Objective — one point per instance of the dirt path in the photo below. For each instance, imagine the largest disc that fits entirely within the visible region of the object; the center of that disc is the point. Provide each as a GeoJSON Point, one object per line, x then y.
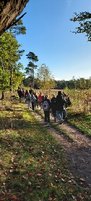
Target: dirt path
{"type": "Point", "coordinates": [77, 150]}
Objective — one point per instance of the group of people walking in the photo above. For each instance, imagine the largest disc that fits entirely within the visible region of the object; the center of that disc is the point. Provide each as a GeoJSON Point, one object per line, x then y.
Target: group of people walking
{"type": "Point", "coordinates": [55, 106]}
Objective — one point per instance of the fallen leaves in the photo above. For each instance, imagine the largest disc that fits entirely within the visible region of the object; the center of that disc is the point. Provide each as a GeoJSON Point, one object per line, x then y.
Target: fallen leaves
{"type": "Point", "coordinates": [31, 161]}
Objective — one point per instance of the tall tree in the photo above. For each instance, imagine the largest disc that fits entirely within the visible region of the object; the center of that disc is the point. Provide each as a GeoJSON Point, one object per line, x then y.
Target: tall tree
{"type": "Point", "coordinates": [9, 56]}
{"type": "Point", "coordinates": [45, 78]}
{"type": "Point", "coordinates": [18, 76]}
{"type": "Point", "coordinates": [9, 10]}
{"type": "Point", "coordinates": [30, 69]}
{"type": "Point", "coordinates": [84, 19]}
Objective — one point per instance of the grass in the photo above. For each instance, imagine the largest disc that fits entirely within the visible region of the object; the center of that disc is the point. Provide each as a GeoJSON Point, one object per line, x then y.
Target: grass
{"type": "Point", "coordinates": [33, 163]}
{"type": "Point", "coordinates": [79, 114]}
{"type": "Point", "coordinates": [82, 122]}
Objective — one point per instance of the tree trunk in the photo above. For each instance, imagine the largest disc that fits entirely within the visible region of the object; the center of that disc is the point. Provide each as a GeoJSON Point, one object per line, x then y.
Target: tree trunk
{"type": "Point", "coordinates": [9, 10]}
{"type": "Point", "coordinates": [2, 97]}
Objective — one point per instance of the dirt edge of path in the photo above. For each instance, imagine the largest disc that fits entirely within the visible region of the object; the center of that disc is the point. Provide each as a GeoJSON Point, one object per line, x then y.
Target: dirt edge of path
{"type": "Point", "coordinates": [78, 150]}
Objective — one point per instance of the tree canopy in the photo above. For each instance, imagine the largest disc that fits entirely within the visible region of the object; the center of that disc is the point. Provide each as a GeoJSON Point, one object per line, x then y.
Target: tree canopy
{"type": "Point", "coordinates": [84, 19]}
{"type": "Point", "coordinates": [31, 66]}
{"type": "Point", "coordinates": [18, 28]}
{"type": "Point", "coordinates": [45, 78]}
{"type": "Point", "coordinates": [9, 66]}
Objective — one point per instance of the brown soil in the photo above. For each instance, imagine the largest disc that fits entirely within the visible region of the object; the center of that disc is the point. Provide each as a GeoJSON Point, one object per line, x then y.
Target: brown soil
{"type": "Point", "coordinates": [77, 148]}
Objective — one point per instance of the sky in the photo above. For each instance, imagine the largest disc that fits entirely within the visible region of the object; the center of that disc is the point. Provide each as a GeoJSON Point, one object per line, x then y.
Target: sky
{"type": "Point", "coordinates": [49, 35]}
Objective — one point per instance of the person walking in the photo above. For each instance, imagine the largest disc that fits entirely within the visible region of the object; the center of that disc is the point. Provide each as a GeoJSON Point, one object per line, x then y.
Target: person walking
{"type": "Point", "coordinates": [46, 108]}
{"type": "Point", "coordinates": [59, 107]}
{"type": "Point", "coordinates": [40, 100]}
{"type": "Point", "coordinates": [32, 99]}
{"type": "Point", "coordinates": [53, 107]}
{"type": "Point", "coordinates": [20, 94]}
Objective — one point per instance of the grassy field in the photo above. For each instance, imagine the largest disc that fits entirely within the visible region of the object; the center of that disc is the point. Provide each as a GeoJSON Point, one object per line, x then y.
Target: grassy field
{"type": "Point", "coordinates": [79, 114]}
{"type": "Point", "coordinates": [33, 165]}
{"type": "Point", "coordinates": [82, 122]}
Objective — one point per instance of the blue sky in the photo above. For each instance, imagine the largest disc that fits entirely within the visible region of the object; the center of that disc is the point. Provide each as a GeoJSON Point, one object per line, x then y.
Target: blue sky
{"type": "Point", "coordinates": [49, 35]}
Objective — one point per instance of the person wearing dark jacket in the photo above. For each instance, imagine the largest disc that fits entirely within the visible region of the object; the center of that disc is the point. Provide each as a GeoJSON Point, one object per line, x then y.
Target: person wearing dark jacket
{"type": "Point", "coordinates": [53, 107]}
{"type": "Point", "coordinates": [59, 106]}
{"type": "Point", "coordinates": [20, 94]}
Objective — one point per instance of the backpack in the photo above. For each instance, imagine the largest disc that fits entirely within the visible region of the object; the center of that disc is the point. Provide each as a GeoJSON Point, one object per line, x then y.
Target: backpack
{"type": "Point", "coordinates": [45, 105]}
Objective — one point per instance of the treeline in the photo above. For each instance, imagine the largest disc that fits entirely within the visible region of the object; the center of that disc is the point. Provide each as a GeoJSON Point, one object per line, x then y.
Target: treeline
{"type": "Point", "coordinates": [80, 83]}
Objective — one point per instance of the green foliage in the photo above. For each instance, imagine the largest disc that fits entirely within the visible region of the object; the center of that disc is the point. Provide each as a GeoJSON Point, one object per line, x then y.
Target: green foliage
{"type": "Point", "coordinates": [4, 81]}
{"type": "Point", "coordinates": [27, 81]}
{"type": "Point", "coordinates": [9, 56]}
{"type": "Point", "coordinates": [30, 69]}
{"type": "Point", "coordinates": [32, 56]}
{"type": "Point", "coordinates": [84, 19]}
{"type": "Point", "coordinates": [45, 78]}
{"type": "Point", "coordinates": [18, 28]}
{"type": "Point", "coordinates": [80, 83]}
{"type": "Point", "coordinates": [17, 79]}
